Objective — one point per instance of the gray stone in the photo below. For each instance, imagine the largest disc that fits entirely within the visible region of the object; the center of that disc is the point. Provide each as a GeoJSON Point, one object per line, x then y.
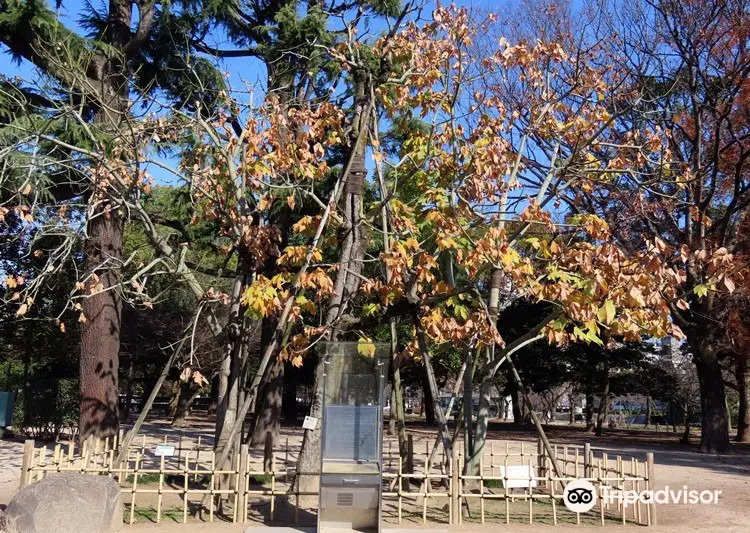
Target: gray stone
{"type": "Point", "coordinates": [65, 502]}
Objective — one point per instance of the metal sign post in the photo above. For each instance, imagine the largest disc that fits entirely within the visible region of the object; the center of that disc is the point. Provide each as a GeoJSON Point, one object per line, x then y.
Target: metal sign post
{"type": "Point", "coordinates": [352, 437]}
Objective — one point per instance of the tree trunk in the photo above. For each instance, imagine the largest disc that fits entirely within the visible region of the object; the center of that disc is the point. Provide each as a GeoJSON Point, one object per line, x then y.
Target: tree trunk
{"type": "Point", "coordinates": [100, 331]}
{"type": "Point", "coordinates": [213, 398]}
{"type": "Point", "coordinates": [648, 412]}
{"type": "Point", "coordinates": [188, 393]}
{"type": "Point", "coordinates": [468, 413]}
{"type": "Point", "coordinates": [268, 418]}
{"type": "Point", "coordinates": [686, 431]}
{"type": "Point", "coordinates": [572, 406]}
{"type": "Point", "coordinates": [516, 400]}
{"type": "Point", "coordinates": [590, 412]}
{"type": "Point", "coordinates": [432, 387]}
{"type": "Point", "coordinates": [128, 390]}
{"type": "Point", "coordinates": [742, 373]}
{"type": "Point", "coordinates": [428, 402]}
{"type": "Point", "coordinates": [714, 421]}
{"type": "Point", "coordinates": [236, 334]}
{"type": "Point", "coordinates": [601, 415]}
{"type": "Point", "coordinates": [347, 282]}
{"type": "Point", "coordinates": [175, 391]}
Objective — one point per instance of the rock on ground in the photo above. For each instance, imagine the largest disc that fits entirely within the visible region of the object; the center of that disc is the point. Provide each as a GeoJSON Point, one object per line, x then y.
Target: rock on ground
{"type": "Point", "coordinates": [65, 502]}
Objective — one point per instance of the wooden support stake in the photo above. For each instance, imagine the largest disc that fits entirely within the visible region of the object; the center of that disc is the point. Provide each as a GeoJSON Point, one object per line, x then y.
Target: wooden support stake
{"type": "Point", "coordinates": [185, 488]}
{"type": "Point", "coordinates": [135, 488]}
{"type": "Point", "coordinates": [26, 462]}
{"type": "Point", "coordinates": [161, 482]}
{"type": "Point", "coordinates": [197, 459]}
{"type": "Point", "coordinates": [273, 486]}
{"type": "Point", "coordinates": [481, 489]}
{"type": "Point", "coordinates": [398, 485]}
{"type": "Point", "coordinates": [587, 460]}
{"type": "Point", "coordinates": [650, 486]}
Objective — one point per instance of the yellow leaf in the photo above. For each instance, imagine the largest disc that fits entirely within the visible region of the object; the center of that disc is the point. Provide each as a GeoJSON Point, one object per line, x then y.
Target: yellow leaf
{"type": "Point", "coordinates": [22, 310]}
{"type": "Point", "coordinates": [606, 313]}
{"type": "Point", "coordinates": [366, 347]}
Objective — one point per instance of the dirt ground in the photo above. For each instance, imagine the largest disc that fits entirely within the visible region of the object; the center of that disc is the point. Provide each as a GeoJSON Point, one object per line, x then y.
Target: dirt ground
{"type": "Point", "coordinates": [676, 466]}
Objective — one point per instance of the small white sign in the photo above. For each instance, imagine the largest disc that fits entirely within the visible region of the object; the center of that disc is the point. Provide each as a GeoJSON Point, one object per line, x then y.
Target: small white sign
{"type": "Point", "coordinates": [163, 450]}
{"type": "Point", "coordinates": [519, 476]}
{"type": "Point", "coordinates": [310, 423]}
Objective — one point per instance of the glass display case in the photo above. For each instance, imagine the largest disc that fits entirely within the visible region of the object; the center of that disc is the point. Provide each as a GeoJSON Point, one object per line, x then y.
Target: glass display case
{"type": "Point", "coordinates": [352, 436]}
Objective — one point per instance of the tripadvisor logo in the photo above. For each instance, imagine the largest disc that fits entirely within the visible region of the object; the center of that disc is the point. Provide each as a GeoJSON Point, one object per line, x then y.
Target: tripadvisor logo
{"type": "Point", "coordinates": [579, 496]}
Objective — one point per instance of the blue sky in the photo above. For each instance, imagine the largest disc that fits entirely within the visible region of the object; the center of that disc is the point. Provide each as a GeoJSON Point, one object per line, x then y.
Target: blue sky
{"type": "Point", "coordinates": [239, 71]}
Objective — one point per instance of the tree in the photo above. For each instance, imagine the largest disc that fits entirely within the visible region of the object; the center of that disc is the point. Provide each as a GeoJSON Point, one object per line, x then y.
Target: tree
{"type": "Point", "coordinates": [689, 63]}
{"type": "Point", "coordinates": [84, 110]}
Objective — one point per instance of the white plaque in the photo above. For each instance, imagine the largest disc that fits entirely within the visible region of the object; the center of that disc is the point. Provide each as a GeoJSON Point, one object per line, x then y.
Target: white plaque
{"type": "Point", "coordinates": [310, 422]}
{"type": "Point", "coordinates": [163, 450]}
{"type": "Point", "coordinates": [519, 476]}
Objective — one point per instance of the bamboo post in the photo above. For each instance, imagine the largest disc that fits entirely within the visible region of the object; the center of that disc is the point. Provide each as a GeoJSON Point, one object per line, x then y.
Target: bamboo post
{"type": "Point", "coordinates": [398, 486]}
{"type": "Point", "coordinates": [28, 456]}
{"type": "Point", "coordinates": [481, 489]}
{"type": "Point", "coordinates": [621, 485]}
{"type": "Point", "coordinates": [587, 460]}
{"type": "Point", "coordinates": [651, 508]}
{"type": "Point", "coordinates": [459, 489]}
{"type": "Point", "coordinates": [41, 463]}
{"type": "Point", "coordinates": [135, 488]}
{"type": "Point", "coordinates": [505, 485]}
{"type": "Point", "coordinates": [531, 492]}
{"type": "Point", "coordinates": [245, 451]}
{"type": "Point", "coordinates": [286, 460]}
{"type": "Point", "coordinates": [492, 459]}
{"type": "Point", "coordinates": [554, 503]}
{"type": "Point", "coordinates": [211, 488]}
{"type": "Point", "coordinates": [185, 489]}
{"type": "Point", "coordinates": [273, 486]}
{"type": "Point", "coordinates": [540, 456]}
{"type": "Point", "coordinates": [237, 476]}
{"type": "Point", "coordinates": [57, 460]}
{"type": "Point", "coordinates": [605, 462]}
{"type": "Point", "coordinates": [426, 488]}
{"type": "Point", "coordinates": [159, 494]}
{"type": "Point", "coordinates": [197, 459]}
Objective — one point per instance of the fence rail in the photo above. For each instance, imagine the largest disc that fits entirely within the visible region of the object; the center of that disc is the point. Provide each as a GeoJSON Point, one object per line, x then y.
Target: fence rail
{"type": "Point", "coordinates": [189, 482]}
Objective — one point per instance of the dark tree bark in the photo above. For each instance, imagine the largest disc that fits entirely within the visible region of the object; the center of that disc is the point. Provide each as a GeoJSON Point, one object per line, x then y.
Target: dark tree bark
{"type": "Point", "coordinates": [601, 416]}
{"type": "Point", "coordinates": [100, 333]}
{"type": "Point", "coordinates": [590, 425]}
{"type": "Point", "coordinates": [128, 389]}
{"type": "Point", "coordinates": [188, 393]}
{"type": "Point", "coordinates": [714, 420]}
{"type": "Point", "coordinates": [268, 418]}
{"type": "Point", "coordinates": [213, 397]}
{"type": "Point", "coordinates": [742, 372]}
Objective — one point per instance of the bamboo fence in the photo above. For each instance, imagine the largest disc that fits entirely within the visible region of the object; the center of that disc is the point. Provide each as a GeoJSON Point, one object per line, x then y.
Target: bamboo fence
{"type": "Point", "coordinates": [243, 489]}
